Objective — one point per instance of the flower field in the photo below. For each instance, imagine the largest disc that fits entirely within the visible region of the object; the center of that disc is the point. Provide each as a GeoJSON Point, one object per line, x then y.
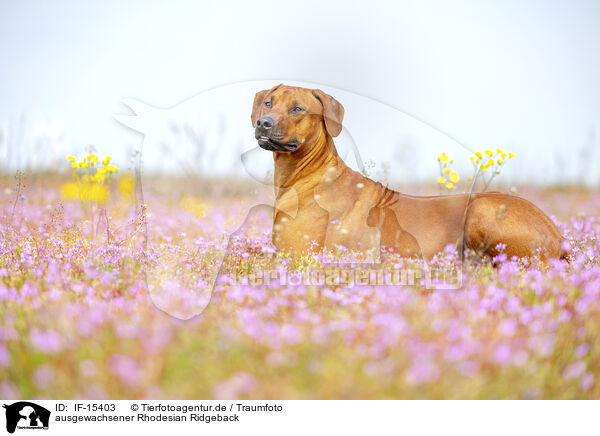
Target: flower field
{"type": "Point", "coordinates": [114, 300]}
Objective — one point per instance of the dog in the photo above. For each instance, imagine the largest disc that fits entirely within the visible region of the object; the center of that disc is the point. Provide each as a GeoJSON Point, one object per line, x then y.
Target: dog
{"type": "Point", "coordinates": [322, 203]}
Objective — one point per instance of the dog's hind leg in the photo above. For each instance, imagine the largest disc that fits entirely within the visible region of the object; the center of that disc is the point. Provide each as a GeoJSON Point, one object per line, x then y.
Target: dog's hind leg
{"type": "Point", "coordinates": [511, 221]}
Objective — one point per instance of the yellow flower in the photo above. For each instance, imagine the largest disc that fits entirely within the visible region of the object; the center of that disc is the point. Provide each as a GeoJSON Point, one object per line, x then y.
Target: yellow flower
{"type": "Point", "coordinates": [478, 154]}
{"type": "Point", "coordinates": [92, 185]}
{"type": "Point", "coordinates": [490, 162]}
{"type": "Point", "coordinates": [489, 152]}
{"type": "Point", "coordinates": [503, 155]}
{"type": "Point", "coordinates": [449, 185]}
{"type": "Point", "coordinates": [472, 158]}
{"type": "Point", "coordinates": [443, 157]}
{"type": "Point", "coordinates": [193, 205]}
{"type": "Point", "coordinates": [70, 191]}
{"type": "Point", "coordinates": [482, 167]}
{"type": "Point", "coordinates": [126, 185]}
{"type": "Point", "coordinates": [500, 162]}
{"type": "Point", "coordinates": [499, 151]}
{"type": "Point", "coordinates": [95, 192]}
{"type": "Point", "coordinates": [441, 180]}
{"type": "Point", "coordinates": [84, 192]}
{"type": "Point", "coordinates": [446, 170]}
{"type": "Point", "coordinates": [454, 177]}
{"type": "Point", "coordinates": [469, 178]}
{"type": "Point", "coordinates": [511, 155]}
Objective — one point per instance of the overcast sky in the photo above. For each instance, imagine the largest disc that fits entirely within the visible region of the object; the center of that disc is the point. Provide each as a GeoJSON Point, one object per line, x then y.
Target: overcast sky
{"type": "Point", "coordinates": [524, 75]}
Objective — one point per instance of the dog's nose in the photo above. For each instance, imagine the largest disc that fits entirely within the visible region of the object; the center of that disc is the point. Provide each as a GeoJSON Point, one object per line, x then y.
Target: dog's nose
{"type": "Point", "coordinates": [264, 123]}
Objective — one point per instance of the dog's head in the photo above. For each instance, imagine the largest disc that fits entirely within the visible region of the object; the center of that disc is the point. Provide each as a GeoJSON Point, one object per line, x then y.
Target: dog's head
{"type": "Point", "coordinates": [287, 118]}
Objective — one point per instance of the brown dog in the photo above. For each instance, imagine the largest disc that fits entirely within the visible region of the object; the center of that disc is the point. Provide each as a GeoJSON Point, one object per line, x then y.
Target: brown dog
{"type": "Point", "coordinates": [321, 202]}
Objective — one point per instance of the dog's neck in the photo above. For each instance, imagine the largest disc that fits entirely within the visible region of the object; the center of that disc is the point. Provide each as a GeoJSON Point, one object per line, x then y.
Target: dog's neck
{"type": "Point", "coordinates": [305, 168]}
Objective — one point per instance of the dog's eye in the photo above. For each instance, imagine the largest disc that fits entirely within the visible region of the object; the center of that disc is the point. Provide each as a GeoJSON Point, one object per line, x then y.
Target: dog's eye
{"type": "Point", "coordinates": [267, 104]}
{"type": "Point", "coordinates": [297, 109]}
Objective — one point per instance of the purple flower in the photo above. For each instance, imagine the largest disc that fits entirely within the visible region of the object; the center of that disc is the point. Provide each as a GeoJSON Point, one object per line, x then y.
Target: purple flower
{"type": "Point", "coordinates": [422, 371]}
{"type": "Point", "coordinates": [126, 369]}
{"type": "Point", "coordinates": [587, 381]}
{"type": "Point", "coordinates": [239, 384]}
{"type": "Point", "coordinates": [502, 354]}
{"type": "Point", "coordinates": [575, 370]}
{"type": "Point", "coordinates": [508, 327]}
{"type": "Point", "coordinates": [290, 334]}
{"type": "Point", "coordinates": [4, 356]}
{"type": "Point", "coordinates": [469, 368]}
{"type": "Point", "coordinates": [45, 341]}
{"type": "Point", "coordinates": [43, 376]}
{"type": "Point", "coordinates": [9, 391]}
{"type": "Point", "coordinates": [582, 350]}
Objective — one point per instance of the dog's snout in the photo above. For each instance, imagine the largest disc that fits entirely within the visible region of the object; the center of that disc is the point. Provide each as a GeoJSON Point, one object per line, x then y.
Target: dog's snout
{"type": "Point", "coordinates": [264, 123]}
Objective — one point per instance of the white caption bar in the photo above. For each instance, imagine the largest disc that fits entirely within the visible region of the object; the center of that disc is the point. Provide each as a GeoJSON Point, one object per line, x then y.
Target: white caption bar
{"type": "Point", "coordinates": [299, 417]}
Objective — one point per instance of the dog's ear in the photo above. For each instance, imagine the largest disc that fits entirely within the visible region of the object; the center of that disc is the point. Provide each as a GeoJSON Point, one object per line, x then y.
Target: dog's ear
{"type": "Point", "coordinates": [333, 112]}
{"type": "Point", "coordinates": [258, 101]}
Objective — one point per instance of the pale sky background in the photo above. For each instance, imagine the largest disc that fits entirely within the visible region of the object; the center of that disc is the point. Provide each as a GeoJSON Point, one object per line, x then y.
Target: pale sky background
{"type": "Point", "coordinates": [522, 75]}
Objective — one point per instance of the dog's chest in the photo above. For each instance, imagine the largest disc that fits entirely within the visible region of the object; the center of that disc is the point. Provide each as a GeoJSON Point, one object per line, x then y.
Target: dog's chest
{"type": "Point", "coordinates": [298, 232]}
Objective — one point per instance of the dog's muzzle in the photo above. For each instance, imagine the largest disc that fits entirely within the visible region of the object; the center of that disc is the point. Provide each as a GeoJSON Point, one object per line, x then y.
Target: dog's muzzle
{"type": "Point", "coordinates": [263, 133]}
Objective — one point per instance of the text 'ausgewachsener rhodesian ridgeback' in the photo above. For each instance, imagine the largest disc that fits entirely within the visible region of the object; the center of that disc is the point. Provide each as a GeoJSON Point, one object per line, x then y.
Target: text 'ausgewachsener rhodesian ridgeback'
{"type": "Point", "coordinates": [336, 206]}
